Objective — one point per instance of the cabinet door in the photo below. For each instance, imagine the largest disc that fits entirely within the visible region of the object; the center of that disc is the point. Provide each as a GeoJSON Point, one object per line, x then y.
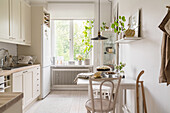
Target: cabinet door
{"type": "Point", "coordinates": [15, 6]}
{"type": "Point", "coordinates": [4, 19]}
{"type": "Point", "coordinates": [17, 82]}
{"type": "Point", "coordinates": [25, 23]}
{"type": "Point", "coordinates": [28, 86]}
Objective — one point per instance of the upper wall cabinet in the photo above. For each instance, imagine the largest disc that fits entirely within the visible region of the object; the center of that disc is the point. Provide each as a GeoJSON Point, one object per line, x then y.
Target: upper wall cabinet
{"type": "Point", "coordinates": [15, 22]}
{"type": "Point", "coordinates": [4, 19]}
{"type": "Point", "coordinates": [15, 19]}
{"type": "Point", "coordinates": [25, 23]}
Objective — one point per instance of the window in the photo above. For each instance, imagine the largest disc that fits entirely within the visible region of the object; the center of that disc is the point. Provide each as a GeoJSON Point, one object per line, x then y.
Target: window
{"type": "Point", "coordinates": [68, 36]}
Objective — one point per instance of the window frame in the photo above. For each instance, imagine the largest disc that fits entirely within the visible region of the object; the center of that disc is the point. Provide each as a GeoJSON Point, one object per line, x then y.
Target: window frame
{"type": "Point", "coordinates": [71, 37]}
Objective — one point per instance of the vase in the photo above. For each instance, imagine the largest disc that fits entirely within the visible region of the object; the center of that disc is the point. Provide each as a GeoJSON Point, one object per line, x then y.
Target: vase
{"type": "Point", "coordinates": [79, 62]}
{"type": "Point", "coordinates": [87, 61]}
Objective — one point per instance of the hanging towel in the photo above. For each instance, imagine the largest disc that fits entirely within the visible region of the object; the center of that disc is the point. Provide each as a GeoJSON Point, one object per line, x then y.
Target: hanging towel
{"type": "Point", "coordinates": [165, 51]}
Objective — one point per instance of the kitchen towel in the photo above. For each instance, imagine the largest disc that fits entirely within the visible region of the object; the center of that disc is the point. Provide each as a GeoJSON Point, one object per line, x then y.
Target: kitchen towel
{"type": "Point", "coordinates": [165, 50]}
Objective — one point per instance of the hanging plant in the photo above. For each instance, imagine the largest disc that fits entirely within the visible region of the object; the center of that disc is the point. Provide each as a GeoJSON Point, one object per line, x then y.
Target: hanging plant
{"type": "Point", "coordinates": [88, 26]}
{"type": "Point", "coordinates": [119, 25]}
{"type": "Point", "coordinates": [104, 27]}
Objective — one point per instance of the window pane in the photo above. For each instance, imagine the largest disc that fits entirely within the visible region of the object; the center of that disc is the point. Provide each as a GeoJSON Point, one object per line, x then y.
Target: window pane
{"type": "Point", "coordinates": [62, 38]}
{"type": "Point", "coordinates": [78, 36]}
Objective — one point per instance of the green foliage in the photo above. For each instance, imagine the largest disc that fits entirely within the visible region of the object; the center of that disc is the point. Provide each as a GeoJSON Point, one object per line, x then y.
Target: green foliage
{"type": "Point", "coordinates": [88, 25]}
{"type": "Point", "coordinates": [62, 30]}
{"type": "Point", "coordinates": [103, 27]}
{"type": "Point", "coordinates": [119, 25]}
{"type": "Point", "coordinates": [120, 67]}
{"type": "Point", "coordinates": [78, 37]}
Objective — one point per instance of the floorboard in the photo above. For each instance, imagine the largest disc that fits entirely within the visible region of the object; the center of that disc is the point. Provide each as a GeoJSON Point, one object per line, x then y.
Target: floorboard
{"type": "Point", "coordinates": [61, 102]}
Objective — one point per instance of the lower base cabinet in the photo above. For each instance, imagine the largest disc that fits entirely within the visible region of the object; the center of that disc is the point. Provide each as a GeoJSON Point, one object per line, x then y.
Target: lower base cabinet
{"type": "Point", "coordinates": [28, 82]}
{"type": "Point", "coordinates": [28, 86]}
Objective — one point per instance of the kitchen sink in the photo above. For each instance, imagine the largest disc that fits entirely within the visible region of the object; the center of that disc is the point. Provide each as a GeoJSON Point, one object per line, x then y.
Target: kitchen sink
{"type": "Point", "coordinates": [15, 66]}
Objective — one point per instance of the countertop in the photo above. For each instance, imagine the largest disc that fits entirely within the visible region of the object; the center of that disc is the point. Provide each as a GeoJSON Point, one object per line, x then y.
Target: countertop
{"type": "Point", "coordinates": [8, 72]}
{"type": "Point", "coordinates": [8, 99]}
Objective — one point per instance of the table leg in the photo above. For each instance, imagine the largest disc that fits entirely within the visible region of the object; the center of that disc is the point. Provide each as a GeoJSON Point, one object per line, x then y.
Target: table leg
{"type": "Point", "coordinates": [89, 91]}
{"type": "Point", "coordinates": [120, 101]}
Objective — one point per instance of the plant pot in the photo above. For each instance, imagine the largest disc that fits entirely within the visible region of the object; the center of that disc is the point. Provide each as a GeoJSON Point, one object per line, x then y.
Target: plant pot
{"type": "Point", "coordinates": [87, 61]}
{"type": "Point", "coordinates": [79, 62]}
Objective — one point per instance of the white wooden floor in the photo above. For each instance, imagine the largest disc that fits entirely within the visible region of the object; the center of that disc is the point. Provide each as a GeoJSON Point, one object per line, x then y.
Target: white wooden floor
{"type": "Point", "coordinates": [61, 102]}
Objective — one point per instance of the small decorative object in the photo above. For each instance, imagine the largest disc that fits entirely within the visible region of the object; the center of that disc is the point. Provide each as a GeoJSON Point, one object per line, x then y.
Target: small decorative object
{"type": "Point", "coordinates": [80, 58]}
{"type": "Point", "coordinates": [119, 69]}
{"type": "Point", "coordinates": [87, 61]}
{"type": "Point", "coordinates": [129, 32]}
{"type": "Point", "coordinates": [71, 62]}
{"type": "Point", "coordinates": [134, 23]}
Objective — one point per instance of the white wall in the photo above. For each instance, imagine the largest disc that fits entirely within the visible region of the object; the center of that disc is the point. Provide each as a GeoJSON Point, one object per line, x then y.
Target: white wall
{"type": "Point", "coordinates": [146, 54]}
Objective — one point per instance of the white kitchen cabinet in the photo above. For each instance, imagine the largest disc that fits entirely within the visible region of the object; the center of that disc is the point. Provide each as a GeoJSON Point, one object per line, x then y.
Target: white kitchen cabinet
{"type": "Point", "coordinates": [25, 23]}
{"type": "Point", "coordinates": [28, 82]}
{"type": "Point", "coordinates": [15, 22]}
{"type": "Point", "coordinates": [17, 81]}
{"type": "Point", "coordinates": [28, 86]}
{"type": "Point", "coordinates": [4, 19]}
{"type": "Point", "coordinates": [15, 13]}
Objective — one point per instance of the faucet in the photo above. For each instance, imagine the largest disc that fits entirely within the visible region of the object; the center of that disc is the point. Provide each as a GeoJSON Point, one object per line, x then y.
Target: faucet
{"type": "Point", "coordinates": [4, 60]}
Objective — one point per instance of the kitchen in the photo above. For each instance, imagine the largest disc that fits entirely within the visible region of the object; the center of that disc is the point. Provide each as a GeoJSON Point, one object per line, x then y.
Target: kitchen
{"type": "Point", "coordinates": [45, 71]}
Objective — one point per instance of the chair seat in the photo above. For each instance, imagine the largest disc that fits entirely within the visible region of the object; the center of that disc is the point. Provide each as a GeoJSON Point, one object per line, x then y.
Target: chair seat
{"type": "Point", "coordinates": [97, 105]}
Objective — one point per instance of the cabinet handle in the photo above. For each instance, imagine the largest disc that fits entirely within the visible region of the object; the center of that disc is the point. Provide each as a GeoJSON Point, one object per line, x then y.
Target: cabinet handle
{"type": "Point", "coordinates": [37, 73]}
{"type": "Point", "coordinates": [37, 90]}
{"type": "Point", "coordinates": [25, 71]}
{"type": "Point", "coordinates": [23, 40]}
{"type": "Point", "coordinates": [37, 84]}
{"type": "Point", "coordinates": [37, 79]}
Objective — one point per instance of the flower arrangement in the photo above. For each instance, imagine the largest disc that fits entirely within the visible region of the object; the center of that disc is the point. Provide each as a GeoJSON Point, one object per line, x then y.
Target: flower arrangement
{"type": "Point", "coordinates": [79, 57]}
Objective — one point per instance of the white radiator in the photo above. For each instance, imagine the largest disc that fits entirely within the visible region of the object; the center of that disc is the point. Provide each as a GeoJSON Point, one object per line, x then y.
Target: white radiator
{"type": "Point", "coordinates": [66, 76]}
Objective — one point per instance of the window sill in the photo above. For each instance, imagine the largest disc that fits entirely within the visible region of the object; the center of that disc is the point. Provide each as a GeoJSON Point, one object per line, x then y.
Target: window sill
{"type": "Point", "coordinates": [71, 65]}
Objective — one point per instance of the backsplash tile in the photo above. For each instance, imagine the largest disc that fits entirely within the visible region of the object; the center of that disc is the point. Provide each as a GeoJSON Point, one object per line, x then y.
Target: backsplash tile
{"type": "Point", "coordinates": [12, 48]}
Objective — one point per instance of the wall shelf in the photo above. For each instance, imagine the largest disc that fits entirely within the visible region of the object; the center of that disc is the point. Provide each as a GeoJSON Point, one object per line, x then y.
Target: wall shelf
{"type": "Point", "coordinates": [126, 40]}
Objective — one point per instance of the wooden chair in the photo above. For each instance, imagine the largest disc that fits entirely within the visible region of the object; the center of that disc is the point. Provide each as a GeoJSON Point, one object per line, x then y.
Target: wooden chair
{"type": "Point", "coordinates": [103, 105]}
{"type": "Point", "coordinates": [143, 93]}
{"type": "Point", "coordinates": [105, 91]}
{"type": "Point", "coordinates": [138, 82]}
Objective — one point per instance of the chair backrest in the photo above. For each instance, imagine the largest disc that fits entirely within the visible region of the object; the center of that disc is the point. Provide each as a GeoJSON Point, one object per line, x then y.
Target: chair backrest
{"type": "Point", "coordinates": [113, 83]}
{"type": "Point", "coordinates": [143, 93]}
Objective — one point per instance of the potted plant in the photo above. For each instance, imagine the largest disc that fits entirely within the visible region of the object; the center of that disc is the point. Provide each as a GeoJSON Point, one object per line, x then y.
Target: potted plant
{"type": "Point", "coordinates": [88, 25]}
{"type": "Point", "coordinates": [119, 25]}
{"type": "Point", "coordinates": [79, 58]}
{"type": "Point", "coordinates": [119, 69]}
